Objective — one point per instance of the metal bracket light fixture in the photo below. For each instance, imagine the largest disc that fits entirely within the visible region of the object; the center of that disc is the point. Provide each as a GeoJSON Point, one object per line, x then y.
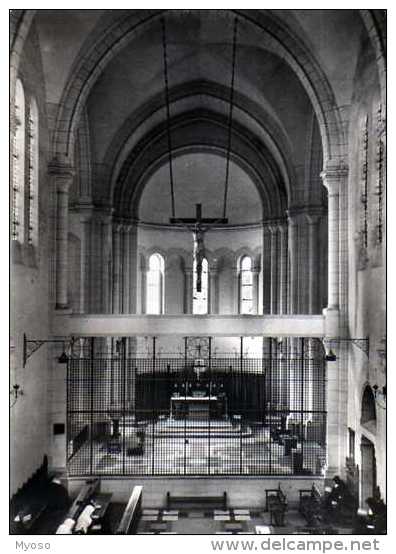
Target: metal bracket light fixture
{"type": "Point", "coordinates": [380, 395]}
{"type": "Point", "coordinates": [15, 393]}
{"type": "Point", "coordinates": [30, 346]}
{"type": "Point", "coordinates": [362, 343]}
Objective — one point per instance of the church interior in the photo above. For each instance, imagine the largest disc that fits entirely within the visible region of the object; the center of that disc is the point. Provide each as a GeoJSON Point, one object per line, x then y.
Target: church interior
{"type": "Point", "coordinates": [198, 250]}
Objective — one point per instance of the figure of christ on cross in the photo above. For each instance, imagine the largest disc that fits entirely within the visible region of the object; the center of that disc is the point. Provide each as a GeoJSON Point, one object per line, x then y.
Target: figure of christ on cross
{"type": "Point", "coordinates": [198, 226]}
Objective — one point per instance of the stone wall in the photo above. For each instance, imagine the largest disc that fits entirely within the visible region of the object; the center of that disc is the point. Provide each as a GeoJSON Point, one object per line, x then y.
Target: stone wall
{"type": "Point", "coordinates": [367, 292]}
{"type": "Point", "coordinates": [29, 280]}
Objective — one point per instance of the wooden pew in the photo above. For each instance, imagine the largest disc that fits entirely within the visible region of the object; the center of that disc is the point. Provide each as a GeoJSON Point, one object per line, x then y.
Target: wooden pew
{"type": "Point", "coordinates": [276, 504]}
{"type": "Point", "coordinates": [101, 501]}
{"type": "Point", "coordinates": [340, 505]}
{"type": "Point", "coordinates": [129, 520]}
{"type": "Point", "coordinates": [30, 502]}
{"type": "Point", "coordinates": [310, 505]}
{"type": "Point", "coordinates": [86, 493]}
{"type": "Point", "coordinates": [28, 516]}
{"type": "Point", "coordinates": [196, 501]}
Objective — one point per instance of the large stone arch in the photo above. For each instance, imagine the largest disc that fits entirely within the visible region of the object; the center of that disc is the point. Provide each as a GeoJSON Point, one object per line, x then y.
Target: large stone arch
{"type": "Point", "coordinates": [145, 159]}
{"type": "Point", "coordinates": [375, 24]}
{"type": "Point", "coordinates": [275, 140]}
{"type": "Point", "coordinates": [277, 38]}
{"type": "Point", "coordinates": [20, 23]}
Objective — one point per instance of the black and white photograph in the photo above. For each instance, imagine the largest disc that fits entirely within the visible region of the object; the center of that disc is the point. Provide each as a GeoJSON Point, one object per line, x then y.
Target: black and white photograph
{"type": "Point", "coordinates": [198, 293]}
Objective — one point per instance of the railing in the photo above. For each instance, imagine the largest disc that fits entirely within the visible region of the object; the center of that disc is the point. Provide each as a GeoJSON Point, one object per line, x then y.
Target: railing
{"type": "Point", "coordinates": [145, 416]}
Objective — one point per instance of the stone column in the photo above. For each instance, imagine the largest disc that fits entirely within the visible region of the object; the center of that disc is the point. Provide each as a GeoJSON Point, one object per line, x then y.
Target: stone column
{"type": "Point", "coordinates": [235, 303]}
{"type": "Point", "coordinates": [331, 180]}
{"type": "Point", "coordinates": [274, 267]}
{"type": "Point", "coordinates": [133, 264]}
{"type": "Point", "coordinates": [255, 288]}
{"type": "Point", "coordinates": [85, 219]}
{"type": "Point", "coordinates": [188, 290]}
{"type": "Point", "coordinates": [214, 289]}
{"type": "Point", "coordinates": [116, 268]}
{"type": "Point", "coordinates": [63, 176]}
{"type": "Point", "coordinates": [126, 268]}
{"type": "Point", "coordinates": [143, 285]}
{"type": "Point", "coordinates": [293, 264]}
{"type": "Point", "coordinates": [266, 269]}
{"type": "Point", "coordinates": [283, 268]}
{"type": "Point", "coordinates": [105, 263]}
{"type": "Point", "coordinates": [313, 266]}
{"type": "Point", "coordinates": [334, 179]}
{"type": "Point", "coordinates": [95, 257]}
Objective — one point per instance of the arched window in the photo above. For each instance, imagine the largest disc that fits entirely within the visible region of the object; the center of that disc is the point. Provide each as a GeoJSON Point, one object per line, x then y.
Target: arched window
{"type": "Point", "coordinates": [246, 286]}
{"type": "Point", "coordinates": [368, 415]}
{"type": "Point", "coordinates": [33, 173]}
{"type": "Point", "coordinates": [155, 285]}
{"type": "Point", "coordinates": [18, 184]}
{"type": "Point", "coordinates": [200, 299]}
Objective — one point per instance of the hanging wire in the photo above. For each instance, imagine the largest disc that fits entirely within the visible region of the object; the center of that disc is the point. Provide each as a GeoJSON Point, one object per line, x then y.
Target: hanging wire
{"type": "Point", "coordinates": [234, 45]}
{"type": "Point", "coordinates": [168, 114]}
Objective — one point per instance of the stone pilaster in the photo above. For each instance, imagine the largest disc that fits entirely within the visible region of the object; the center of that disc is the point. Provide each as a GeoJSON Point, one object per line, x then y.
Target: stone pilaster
{"type": "Point", "coordinates": [126, 268]}
{"type": "Point", "coordinates": [335, 180]}
{"type": "Point", "coordinates": [266, 269]}
{"type": "Point", "coordinates": [293, 264]}
{"type": "Point", "coordinates": [313, 257]}
{"type": "Point", "coordinates": [236, 290]}
{"type": "Point", "coordinates": [133, 278]}
{"type": "Point", "coordinates": [332, 179]}
{"type": "Point", "coordinates": [143, 286]}
{"type": "Point", "coordinates": [255, 289]}
{"type": "Point", "coordinates": [62, 175]}
{"type": "Point", "coordinates": [188, 290]}
{"type": "Point", "coordinates": [116, 268]}
{"type": "Point", "coordinates": [274, 267]}
{"type": "Point", "coordinates": [106, 263]}
{"type": "Point", "coordinates": [213, 289]}
{"type": "Point", "coordinates": [283, 268]}
{"type": "Point", "coordinates": [85, 218]}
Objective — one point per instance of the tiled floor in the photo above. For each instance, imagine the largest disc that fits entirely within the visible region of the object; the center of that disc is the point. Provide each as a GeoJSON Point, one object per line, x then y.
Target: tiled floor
{"type": "Point", "coordinates": [208, 522]}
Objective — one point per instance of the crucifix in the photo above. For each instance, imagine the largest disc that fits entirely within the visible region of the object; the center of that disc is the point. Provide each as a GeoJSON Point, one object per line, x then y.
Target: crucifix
{"type": "Point", "coordinates": [198, 225]}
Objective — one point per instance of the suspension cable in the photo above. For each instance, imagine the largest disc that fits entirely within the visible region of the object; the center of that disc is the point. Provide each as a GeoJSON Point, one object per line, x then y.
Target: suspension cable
{"type": "Point", "coordinates": [168, 115]}
{"type": "Point", "coordinates": [234, 45]}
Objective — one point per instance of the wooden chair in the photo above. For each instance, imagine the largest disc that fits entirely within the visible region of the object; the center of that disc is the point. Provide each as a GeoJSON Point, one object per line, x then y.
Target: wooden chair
{"type": "Point", "coordinates": [276, 504]}
{"type": "Point", "coordinates": [310, 505]}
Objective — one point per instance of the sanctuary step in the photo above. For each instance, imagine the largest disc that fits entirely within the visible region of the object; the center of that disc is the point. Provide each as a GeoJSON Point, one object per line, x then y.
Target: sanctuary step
{"type": "Point", "coordinates": [200, 429]}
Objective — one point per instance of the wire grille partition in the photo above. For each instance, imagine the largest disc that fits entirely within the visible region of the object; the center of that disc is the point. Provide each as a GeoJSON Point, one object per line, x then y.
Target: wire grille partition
{"type": "Point", "coordinates": [190, 416]}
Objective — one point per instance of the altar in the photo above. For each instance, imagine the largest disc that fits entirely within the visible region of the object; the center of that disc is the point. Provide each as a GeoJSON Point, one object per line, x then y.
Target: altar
{"type": "Point", "coordinates": [196, 407]}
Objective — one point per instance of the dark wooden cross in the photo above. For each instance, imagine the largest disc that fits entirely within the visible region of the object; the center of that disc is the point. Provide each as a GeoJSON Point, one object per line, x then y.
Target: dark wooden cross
{"type": "Point", "coordinates": [198, 225]}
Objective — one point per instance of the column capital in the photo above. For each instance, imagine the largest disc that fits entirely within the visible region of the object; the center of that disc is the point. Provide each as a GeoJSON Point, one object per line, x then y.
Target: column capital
{"type": "Point", "coordinates": [314, 215]}
{"type": "Point", "coordinates": [333, 175]}
{"type": "Point", "coordinates": [117, 227]}
{"type": "Point", "coordinates": [283, 225]}
{"type": "Point", "coordinates": [125, 228]}
{"type": "Point", "coordinates": [274, 224]}
{"type": "Point", "coordinates": [58, 166]}
{"type": "Point", "coordinates": [106, 219]}
{"type": "Point", "coordinates": [295, 215]}
{"type": "Point", "coordinates": [84, 211]}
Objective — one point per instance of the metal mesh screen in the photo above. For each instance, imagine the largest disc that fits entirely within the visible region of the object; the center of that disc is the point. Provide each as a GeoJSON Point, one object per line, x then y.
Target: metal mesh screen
{"type": "Point", "coordinates": [188, 416]}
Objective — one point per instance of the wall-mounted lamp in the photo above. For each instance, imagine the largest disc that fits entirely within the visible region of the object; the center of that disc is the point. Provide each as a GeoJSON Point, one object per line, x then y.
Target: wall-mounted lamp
{"type": "Point", "coordinates": [363, 344]}
{"type": "Point", "coordinates": [32, 345]}
{"type": "Point", "coordinates": [380, 395]}
{"type": "Point", "coordinates": [330, 356]}
{"type": "Point", "coordinates": [15, 393]}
